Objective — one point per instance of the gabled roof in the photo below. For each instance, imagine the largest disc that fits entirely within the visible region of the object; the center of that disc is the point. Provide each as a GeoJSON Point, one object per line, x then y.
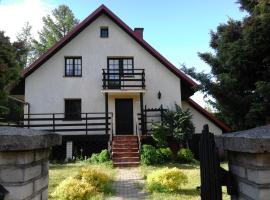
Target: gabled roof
{"type": "Point", "coordinates": [211, 117]}
{"type": "Point", "coordinates": [81, 26]}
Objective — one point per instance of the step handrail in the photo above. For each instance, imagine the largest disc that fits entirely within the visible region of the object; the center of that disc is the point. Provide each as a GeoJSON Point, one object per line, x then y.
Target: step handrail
{"type": "Point", "coordinates": [138, 134]}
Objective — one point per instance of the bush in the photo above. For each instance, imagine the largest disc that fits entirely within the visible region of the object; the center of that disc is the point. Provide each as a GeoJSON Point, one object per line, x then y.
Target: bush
{"type": "Point", "coordinates": [166, 180]}
{"type": "Point", "coordinates": [89, 182]}
{"type": "Point", "coordinates": [148, 155]}
{"type": "Point", "coordinates": [104, 156]}
{"type": "Point", "coordinates": [164, 155]}
{"type": "Point", "coordinates": [72, 188]}
{"type": "Point", "coordinates": [94, 158]}
{"type": "Point", "coordinates": [185, 155]}
{"type": "Point", "coordinates": [101, 157]}
{"type": "Point", "coordinates": [159, 135]}
{"type": "Point", "coordinates": [95, 177]}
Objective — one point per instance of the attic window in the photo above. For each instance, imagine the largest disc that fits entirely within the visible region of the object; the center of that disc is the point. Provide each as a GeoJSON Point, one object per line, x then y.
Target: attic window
{"type": "Point", "coordinates": [104, 32]}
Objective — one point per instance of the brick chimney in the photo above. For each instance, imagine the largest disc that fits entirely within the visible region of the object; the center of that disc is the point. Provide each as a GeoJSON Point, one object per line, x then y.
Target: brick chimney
{"type": "Point", "coordinates": [138, 32]}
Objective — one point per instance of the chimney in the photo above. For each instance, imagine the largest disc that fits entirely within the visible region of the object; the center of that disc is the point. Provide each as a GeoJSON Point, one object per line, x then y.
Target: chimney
{"type": "Point", "coordinates": [139, 32]}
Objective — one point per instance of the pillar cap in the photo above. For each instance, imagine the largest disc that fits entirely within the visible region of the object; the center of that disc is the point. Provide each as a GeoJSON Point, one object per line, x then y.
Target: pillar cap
{"type": "Point", "coordinates": [256, 140]}
{"type": "Point", "coordinates": [20, 139]}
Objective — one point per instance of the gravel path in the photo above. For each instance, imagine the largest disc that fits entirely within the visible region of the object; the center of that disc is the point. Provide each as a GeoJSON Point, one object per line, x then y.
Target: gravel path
{"type": "Point", "coordinates": [127, 185]}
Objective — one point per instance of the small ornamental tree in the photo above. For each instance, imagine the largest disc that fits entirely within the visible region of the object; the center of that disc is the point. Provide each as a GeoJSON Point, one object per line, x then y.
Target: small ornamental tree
{"type": "Point", "coordinates": [176, 123]}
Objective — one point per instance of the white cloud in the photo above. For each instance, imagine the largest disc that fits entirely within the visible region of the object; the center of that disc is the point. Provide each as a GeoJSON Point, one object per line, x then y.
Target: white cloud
{"type": "Point", "coordinates": [13, 16]}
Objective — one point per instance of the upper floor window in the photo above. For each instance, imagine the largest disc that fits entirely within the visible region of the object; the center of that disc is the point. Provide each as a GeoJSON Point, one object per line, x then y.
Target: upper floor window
{"type": "Point", "coordinates": [73, 66]}
{"type": "Point", "coordinates": [104, 32]}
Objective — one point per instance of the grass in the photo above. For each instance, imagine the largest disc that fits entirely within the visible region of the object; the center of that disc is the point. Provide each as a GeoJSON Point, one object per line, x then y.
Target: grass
{"type": "Point", "coordinates": [189, 191]}
{"type": "Point", "coordinates": [59, 172]}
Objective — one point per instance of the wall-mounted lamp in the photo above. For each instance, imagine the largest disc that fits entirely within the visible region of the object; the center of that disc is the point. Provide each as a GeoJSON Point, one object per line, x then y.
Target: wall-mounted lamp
{"type": "Point", "coordinates": [159, 95]}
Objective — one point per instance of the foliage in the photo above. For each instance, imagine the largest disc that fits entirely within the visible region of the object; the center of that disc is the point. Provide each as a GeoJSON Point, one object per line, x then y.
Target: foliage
{"type": "Point", "coordinates": [95, 177]}
{"type": "Point", "coordinates": [9, 70]}
{"type": "Point", "coordinates": [25, 45]}
{"type": "Point", "coordinates": [74, 189]}
{"type": "Point", "coordinates": [55, 27]}
{"type": "Point", "coordinates": [159, 135]}
{"type": "Point", "coordinates": [164, 155]}
{"type": "Point", "coordinates": [185, 156]}
{"type": "Point", "coordinates": [166, 180]}
{"type": "Point", "coordinates": [239, 79]}
{"type": "Point", "coordinates": [102, 157]}
{"type": "Point", "coordinates": [188, 191]}
{"type": "Point", "coordinates": [89, 182]}
{"type": "Point", "coordinates": [178, 124]}
{"type": "Point", "coordinates": [148, 155]}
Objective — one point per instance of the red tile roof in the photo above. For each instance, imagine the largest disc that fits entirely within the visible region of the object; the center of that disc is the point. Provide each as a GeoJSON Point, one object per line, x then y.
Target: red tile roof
{"type": "Point", "coordinates": [81, 26]}
{"type": "Point", "coordinates": [210, 116]}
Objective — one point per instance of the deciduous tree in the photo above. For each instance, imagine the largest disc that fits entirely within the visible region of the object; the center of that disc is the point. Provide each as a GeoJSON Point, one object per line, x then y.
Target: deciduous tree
{"type": "Point", "coordinates": [56, 26]}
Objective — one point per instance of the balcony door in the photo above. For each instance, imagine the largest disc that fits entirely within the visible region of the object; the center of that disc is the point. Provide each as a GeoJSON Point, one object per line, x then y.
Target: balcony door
{"type": "Point", "coordinates": [117, 68]}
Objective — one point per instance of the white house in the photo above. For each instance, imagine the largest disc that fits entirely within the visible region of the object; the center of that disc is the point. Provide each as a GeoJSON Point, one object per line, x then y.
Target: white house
{"type": "Point", "coordinates": [100, 80]}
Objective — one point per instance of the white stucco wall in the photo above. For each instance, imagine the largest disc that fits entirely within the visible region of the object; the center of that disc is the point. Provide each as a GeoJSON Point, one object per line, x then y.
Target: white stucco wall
{"type": "Point", "coordinates": [200, 120]}
{"type": "Point", "coordinates": [46, 88]}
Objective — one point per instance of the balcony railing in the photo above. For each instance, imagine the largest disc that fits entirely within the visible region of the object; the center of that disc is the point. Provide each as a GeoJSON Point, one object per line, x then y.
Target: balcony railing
{"type": "Point", "coordinates": [123, 79]}
{"type": "Point", "coordinates": [60, 122]}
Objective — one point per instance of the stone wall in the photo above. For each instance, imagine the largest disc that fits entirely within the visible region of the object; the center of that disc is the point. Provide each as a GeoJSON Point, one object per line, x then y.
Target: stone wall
{"type": "Point", "coordinates": [24, 163]}
{"type": "Point", "coordinates": [249, 162]}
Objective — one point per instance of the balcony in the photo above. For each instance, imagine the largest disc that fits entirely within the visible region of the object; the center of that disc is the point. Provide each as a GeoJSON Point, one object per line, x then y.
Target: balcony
{"type": "Point", "coordinates": [123, 79]}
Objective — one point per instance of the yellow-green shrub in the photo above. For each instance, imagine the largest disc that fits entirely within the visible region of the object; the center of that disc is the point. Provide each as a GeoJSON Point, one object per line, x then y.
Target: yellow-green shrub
{"type": "Point", "coordinates": [88, 183]}
{"type": "Point", "coordinates": [166, 180]}
{"type": "Point", "coordinates": [98, 179]}
{"type": "Point", "coordinates": [74, 189]}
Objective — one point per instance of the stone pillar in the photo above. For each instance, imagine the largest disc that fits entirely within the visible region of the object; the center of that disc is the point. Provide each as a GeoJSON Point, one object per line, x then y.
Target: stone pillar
{"type": "Point", "coordinates": [24, 162]}
{"type": "Point", "coordinates": [249, 162]}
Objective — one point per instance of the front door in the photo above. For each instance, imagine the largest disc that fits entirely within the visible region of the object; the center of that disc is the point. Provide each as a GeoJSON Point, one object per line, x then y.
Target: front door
{"type": "Point", "coordinates": [124, 116]}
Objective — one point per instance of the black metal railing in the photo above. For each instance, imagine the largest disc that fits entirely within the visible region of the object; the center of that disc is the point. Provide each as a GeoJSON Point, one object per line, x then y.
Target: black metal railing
{"type": "Point", "coordinates": [123, 79]}
{"type": "Point", "coordinates": [61, 122]}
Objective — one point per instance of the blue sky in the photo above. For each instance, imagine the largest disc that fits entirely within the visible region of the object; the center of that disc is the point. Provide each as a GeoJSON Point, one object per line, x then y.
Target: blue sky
{"type": "Point", "coordinates": [177, 29]}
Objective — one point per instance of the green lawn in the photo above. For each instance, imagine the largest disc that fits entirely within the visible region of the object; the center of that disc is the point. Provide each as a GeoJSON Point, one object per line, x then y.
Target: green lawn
{"type": "Point", "coordinates": [59, 172]}
{"type": "Point", "coordinates": [189, 191]}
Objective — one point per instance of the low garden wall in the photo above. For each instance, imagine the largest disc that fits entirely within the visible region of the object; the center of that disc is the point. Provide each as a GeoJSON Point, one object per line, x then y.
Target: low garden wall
{"type": "Point", "coordinates": [24, 163]}
{"type": "Point", "coordinates": [249, 162]}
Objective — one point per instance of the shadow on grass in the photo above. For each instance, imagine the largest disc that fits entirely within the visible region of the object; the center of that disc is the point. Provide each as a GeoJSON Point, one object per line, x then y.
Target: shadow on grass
{"type": "Point", "coordinates": [179, 166]}
{"type": "Point", "coordinates": [189, 192]}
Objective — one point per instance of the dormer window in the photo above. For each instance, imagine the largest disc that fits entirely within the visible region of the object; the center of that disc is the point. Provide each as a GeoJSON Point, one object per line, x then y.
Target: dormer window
{"type": "Point", "coordinates": [73, 66]}
{"type": "Point", "coordinates": [104, 32]}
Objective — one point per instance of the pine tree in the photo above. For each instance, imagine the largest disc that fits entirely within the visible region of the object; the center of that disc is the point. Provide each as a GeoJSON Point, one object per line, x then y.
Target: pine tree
{"type": "Point", "coordinates": [240, 68]}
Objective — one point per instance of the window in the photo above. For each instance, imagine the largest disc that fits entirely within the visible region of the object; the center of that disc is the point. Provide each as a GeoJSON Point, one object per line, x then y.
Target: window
{"type": "Point", "coordinates": [104, 32]}
{"type": "Point", "coordinates": [128, 66]}
{"type": "Point", "coordinates": [73, 109]}
{"type": "Point", "coordinates": [124, 66]}
{"type": "Point", "coordinates": [73, 66]}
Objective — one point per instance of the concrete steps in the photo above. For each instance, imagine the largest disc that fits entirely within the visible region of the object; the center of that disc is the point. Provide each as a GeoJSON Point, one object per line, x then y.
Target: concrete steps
{"type": "Point", "coordinates": [125, 151]}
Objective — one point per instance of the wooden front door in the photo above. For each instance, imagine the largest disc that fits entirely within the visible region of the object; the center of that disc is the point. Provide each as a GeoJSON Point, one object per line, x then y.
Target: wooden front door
{"type": "Point", "coordinates": [124, 116]}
